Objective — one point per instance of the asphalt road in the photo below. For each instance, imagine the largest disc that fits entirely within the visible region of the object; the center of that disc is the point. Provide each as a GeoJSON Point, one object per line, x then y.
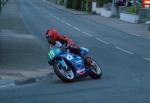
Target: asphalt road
{"type": "Point", "coordinates": [125, 60]}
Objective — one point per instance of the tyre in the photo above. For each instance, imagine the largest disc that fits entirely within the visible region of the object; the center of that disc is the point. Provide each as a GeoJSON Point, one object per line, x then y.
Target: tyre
{"type": "Point", "coordinates": [95, 70]}
{"type": "Point", "coordinates": [65, 75]}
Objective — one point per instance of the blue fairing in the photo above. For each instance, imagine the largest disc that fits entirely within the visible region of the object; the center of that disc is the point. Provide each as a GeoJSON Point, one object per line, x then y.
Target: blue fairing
{"type": "Point", "coordinates": [84, 51]}
{"type": "Point", "coordinates": [66, 58]}
{"type": "Point", "coordinates": [76, 62]}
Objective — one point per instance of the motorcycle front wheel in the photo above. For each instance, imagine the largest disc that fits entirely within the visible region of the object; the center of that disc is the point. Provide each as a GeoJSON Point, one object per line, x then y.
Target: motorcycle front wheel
{"type": "Point", "coordinates": [95, 70]}
{"type": "Point", "coordinates": [64, 75]}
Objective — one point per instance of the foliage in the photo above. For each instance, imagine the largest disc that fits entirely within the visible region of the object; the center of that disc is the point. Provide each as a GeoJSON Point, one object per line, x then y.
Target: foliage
{"type": "Point", "coordinates": [61, 2]}
{"type": "Point", "coordinates": [84, 5]}
{"type": "Point", "coordinates": [69, 4]}
{"type": "Point", "coordinates": [75, 4]}
{"type": "Point", "coordinates": [133, 9]}
{"type": "Point", "coordinates": [100, 3]}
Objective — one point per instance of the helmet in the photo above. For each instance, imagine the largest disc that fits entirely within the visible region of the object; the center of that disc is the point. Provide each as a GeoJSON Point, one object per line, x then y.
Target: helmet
{"type": "Point", "coordinates": [51, 35]}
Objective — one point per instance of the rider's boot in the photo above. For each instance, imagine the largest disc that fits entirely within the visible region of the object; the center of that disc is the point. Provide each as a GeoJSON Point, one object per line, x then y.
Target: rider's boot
{"type": "Point", "coordinates": [87, 61]}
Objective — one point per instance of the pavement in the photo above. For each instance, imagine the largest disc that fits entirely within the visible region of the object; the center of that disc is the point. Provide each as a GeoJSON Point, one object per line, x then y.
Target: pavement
{"type": "Point", "coordinates": [140, 30]}
{"type": "Point", "coordinates": [115, 23]}
{"type": "Point", "coordinates": [21, 53]}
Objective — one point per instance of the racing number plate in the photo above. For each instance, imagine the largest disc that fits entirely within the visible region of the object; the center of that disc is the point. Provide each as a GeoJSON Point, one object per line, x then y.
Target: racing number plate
{"type": "Point", "coordinates": [52, 53]}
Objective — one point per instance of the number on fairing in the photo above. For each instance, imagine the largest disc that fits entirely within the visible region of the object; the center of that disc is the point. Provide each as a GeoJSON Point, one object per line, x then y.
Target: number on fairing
{"type": "Point", "coordinates": [69, 57]}
{"type": "Point", "coordinates": [51, 54]}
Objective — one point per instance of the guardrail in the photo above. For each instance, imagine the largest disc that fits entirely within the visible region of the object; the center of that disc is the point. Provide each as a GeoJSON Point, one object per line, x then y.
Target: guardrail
{"type": "Point", "coordinates": [2, 3]}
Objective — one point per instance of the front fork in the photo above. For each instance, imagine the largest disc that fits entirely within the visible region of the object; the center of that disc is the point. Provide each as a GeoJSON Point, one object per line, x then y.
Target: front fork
{"type": "Point", "coordinates": [63, 64]}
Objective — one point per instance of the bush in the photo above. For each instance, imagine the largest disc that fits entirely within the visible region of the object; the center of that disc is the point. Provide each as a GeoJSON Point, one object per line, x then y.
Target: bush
{"type": "Point", "coordinates": [75, 4]}
{"type": "Point", "coordinates": [69, 4]}
{"type": "Point", "coordinates": [100, 3]}
{"type": "Point", "coordinates": [133, 9]}
{"type": "Point", "coordinates": [61, 2]}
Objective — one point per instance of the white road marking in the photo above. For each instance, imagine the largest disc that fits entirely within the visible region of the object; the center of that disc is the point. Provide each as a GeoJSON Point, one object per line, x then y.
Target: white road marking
{"type": "Point", "coordinates": [68, 24]}
{"type": "Point", "coordinates": [135, 34]}
{"type": "Point", "coordinates": [62, 21]}
{"type": "Point", "coordinates": [58, 18]}
{"type": "Point", "coordinates": [18, 35]}
{"type": "Point", "coordinates": [53, 15]}
{"type": "Point", "coordinates": [105, 42]}
{"type": "Point", "coordinates": [7, 85]}
{"type": "Point", "coordinates": [87, 34]}
{"type": "Point", "coordinates": [126, 51]}
{"type": "Point", "coordinates": [147, 59]}
{"type": "Point", "coordinates": [76, 28]}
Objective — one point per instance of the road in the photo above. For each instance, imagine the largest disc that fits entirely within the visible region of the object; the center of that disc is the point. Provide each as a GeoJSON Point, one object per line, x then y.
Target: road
{"type": "Point", "coordinates": [125, 60]}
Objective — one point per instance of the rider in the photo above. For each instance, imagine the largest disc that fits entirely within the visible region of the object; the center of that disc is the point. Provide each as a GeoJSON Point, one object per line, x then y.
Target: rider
{"type": "Point", "coordinates": [52, 36]}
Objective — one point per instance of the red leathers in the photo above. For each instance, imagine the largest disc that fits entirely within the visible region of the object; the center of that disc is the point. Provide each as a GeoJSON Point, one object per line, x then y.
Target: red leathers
{"type": "Point", "coordinates": [52, 36]}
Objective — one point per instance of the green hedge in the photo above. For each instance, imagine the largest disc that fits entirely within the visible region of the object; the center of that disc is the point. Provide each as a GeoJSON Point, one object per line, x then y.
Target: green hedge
{"type": "Point", "coordinates": [69, 4]}
{"type": "Point", "coordinates": [133, 9]}
{"type": "Point", "coordinates": [75, 4]}
{"type": "Point", "coordinates": [100, 3]}
{"type": "Point", "coordinates": [79, 4]}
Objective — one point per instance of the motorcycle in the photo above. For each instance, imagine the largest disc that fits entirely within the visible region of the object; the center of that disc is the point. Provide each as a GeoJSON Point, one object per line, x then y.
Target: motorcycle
{"type": "Point", "coordinates": [69, 66]}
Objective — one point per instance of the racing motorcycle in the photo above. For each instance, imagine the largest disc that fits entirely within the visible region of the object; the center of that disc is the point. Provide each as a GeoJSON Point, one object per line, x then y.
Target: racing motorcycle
{"type": "Point", "coordinates": [69, 66]}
